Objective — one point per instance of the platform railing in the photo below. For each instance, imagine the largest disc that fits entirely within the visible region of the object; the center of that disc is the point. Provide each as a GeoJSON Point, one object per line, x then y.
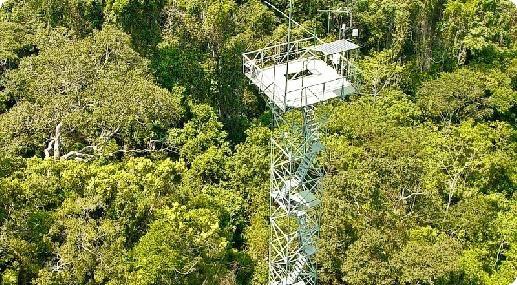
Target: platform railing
{"type": "Point", "coordinates": [351, 72]}
{"type": "Point", "coordinates": [258, 77]}
{"type": "Point", "coordinates": [279, 53]}
{"type": "Point", "coordinates": [317, 91]}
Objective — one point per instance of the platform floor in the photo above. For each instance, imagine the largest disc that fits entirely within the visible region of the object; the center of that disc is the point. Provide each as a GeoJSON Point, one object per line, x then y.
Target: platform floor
{"type": "Point", "coordinates": [323, 84]}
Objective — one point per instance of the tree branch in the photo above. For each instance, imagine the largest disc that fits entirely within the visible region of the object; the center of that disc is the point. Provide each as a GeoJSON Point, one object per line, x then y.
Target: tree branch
{"type": "Point", "coordinates": [80, 155]}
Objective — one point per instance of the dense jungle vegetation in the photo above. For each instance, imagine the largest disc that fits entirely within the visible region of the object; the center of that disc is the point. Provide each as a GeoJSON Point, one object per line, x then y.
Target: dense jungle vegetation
{"type": "Point", "coordinates": [134, 151]}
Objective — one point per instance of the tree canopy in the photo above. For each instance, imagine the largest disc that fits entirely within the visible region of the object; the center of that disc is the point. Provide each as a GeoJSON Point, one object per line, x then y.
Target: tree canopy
{"type": "Point", "coordinates": [134, 151]}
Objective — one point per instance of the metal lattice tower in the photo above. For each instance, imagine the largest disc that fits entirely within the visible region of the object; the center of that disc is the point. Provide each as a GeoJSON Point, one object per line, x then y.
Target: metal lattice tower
{"type": "Point", "coordinates": [294, 77]}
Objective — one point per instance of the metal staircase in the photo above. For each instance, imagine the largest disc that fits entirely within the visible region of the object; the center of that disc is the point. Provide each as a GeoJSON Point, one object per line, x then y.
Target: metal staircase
{"type": "Point", "coordinates": [296, 198]}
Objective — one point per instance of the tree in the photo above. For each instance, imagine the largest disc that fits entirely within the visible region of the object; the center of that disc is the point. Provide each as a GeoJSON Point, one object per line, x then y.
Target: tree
{"type": "Point", "coordinates": [249, 176]}
{"type": "Point", "coordinates": [465, 93]}
{"type": "Point", "coordinates": [478, 30]}
{"type": "Point", "coordinates": [80, 16]}
{"type": "Point", "coordinates": [428, 256]}
{"type": "Point", "coordinates": [139, 19]}
{"type": "Point", "coordinates": [77, 223]}
{"type": "Point", "coordinates": [65, 99]}
{"type": "Point", "coordinates": [15, 44]}
{"type": "Point", "coordinates": [379, 73]}
{"type": "Point", "coordinates": [397, 187]}
{"type": "Point", "coordinates": [181, 247]}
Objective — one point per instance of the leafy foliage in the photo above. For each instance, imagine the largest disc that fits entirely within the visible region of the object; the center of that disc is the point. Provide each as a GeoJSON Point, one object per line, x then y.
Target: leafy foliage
{"type": "Point", "coordinates": [133, 150]}
{"type": "Point", "coordinates": [79, 85]}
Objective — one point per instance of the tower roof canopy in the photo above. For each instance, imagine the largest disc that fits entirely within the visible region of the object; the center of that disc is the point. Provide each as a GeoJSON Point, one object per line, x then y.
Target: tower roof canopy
{"type": "Point", "coordinates": [334, 47]}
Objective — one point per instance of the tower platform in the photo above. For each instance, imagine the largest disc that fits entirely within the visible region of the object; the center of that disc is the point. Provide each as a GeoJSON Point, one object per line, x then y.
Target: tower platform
{"type": "Point", "coordinates": [300, 74]}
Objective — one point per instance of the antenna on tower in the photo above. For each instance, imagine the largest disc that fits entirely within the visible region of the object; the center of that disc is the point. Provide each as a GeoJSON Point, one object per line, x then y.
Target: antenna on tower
{"type": "Point", "coordinates": [289, 19]}
{"type": "Point", "coordinates": [313, 33]}
{"type": "Point", "coordinates": [343, 27]}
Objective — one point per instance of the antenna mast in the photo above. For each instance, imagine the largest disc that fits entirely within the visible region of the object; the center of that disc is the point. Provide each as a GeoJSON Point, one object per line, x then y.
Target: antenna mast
{"type": "Point", "coordinates": [290, 18]}
{"type": "Point", "coordinates": [343, 28]}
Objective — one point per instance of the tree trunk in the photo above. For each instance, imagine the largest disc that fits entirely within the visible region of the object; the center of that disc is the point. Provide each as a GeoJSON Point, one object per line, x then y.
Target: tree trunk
{"type": "Point", "coordinates": [57, 141]}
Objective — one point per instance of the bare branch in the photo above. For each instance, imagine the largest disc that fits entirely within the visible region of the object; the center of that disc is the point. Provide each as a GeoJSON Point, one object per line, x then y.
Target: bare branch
{"type": "Point", "coordinates": [49, 148]}
{"type": "Point", "coordinates": [403, 198]}
{"type": "Point", "coordinates": [78, 156]}
{"type": "Point", "coordinates": [57, 139]}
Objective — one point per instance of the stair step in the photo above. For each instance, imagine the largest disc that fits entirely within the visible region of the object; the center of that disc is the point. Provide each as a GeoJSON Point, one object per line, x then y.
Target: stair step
{"type": "Point", "coordinates": [309, 250]}
{"type": "Point", "coordinates": [306, 198]}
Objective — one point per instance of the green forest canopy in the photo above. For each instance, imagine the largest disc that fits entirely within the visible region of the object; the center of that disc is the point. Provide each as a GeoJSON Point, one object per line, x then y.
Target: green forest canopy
{"type": "Point", "coordinates": [134, 151]}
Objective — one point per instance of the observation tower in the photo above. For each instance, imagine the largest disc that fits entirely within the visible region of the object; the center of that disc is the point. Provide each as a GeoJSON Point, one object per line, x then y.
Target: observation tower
{"type": "Point", "coordinates": [295, 77]}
